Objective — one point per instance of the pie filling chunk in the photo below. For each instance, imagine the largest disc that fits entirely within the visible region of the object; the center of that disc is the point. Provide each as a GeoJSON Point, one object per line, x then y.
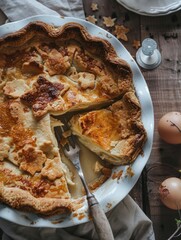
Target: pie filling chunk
{"type": "Point", "coordinates": [46, 72]}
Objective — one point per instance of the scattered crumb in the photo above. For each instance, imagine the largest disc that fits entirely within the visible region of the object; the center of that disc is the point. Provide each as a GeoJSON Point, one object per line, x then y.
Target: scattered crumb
{"type": "Point", "coordinates": [80, 215]}
{"type": "Point", "coordinates": [136, 44]}
{"type": "Point", "coordinates": [109, 205]}
{"type": "Point", "coordinates": [117, 175]}
{"type": "Point", "coordinates": [91, 19]}
{"type": "Point", "coordinates": [108, 21]}
{"type": "Point", "coordinates": [75, 214]}
{"type": "Point", "coordinates": [106, 171]}
{"type": "Point", "coordinates": [129, 172]}
{"type": "Point", "coordinates": [121, 31]}
{"type": "Point", "coordinates": [57, 221]}
{"type": "Point", "coordinates": [98, 167]}
{"type": "Point", "coordinates": [94, 6]}
{"type": "Point", "coordinates": [97, 183]}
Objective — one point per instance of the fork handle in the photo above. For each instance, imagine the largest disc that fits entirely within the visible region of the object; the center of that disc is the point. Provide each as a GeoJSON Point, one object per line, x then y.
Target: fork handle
{"type": "Point", "coordinates": [100, 220]}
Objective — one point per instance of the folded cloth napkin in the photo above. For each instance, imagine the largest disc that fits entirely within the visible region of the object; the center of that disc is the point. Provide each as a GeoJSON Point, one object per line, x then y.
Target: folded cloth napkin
{"type": "Point", "coordinates": [127, 220]}
{"type": "Point", "coordinates": [18, 9]}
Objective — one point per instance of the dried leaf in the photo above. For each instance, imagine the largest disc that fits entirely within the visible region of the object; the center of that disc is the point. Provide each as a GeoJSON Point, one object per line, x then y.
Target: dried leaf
{"type": "Point", "coordinates": [136, 44]}
{"type": "Point", "coordinates": [121, 31]}
{"type": "Point", "coordinates": [91, 19]}
{"type": "Point", "coordinates": [108, 21]}
{"type": "Point", "coordinates": [94, 6]}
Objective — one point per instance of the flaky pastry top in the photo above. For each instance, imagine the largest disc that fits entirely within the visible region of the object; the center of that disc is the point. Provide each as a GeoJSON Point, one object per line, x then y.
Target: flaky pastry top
{"type": "Point", "coordinates": [61, 69]}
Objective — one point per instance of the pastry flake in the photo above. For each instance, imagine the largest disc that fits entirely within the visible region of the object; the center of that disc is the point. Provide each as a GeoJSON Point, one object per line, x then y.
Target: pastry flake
{"type": "Point", "coordinates": [121, 31]}
{"type": "Point", "coordinates": [136, 44]}
{"type": "Point", "coordinates": [94, 6]}
{"type": "Point", "coordinates": [108, 21]}
{"type": "Point", "coordinates": [91, 19]}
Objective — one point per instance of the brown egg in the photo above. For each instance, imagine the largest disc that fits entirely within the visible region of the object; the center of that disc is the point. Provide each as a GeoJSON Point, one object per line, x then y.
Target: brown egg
{"type": "Point", "coordinates": [170, 193]}
{"type": "Point", "coordinates": [169, 127]}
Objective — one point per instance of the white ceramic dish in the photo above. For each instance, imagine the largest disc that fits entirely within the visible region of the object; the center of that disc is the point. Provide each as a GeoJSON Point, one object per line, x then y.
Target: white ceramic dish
{"type": "Point", "coordinates": [152, 7]}
{"type": "Point", "coordinates": [112, 191]}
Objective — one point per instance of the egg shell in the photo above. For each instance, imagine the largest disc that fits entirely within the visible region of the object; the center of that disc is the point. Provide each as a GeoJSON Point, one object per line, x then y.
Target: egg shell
{"type": "Point", "coordinates": [170, 193]}
{"type": "Point", "coordinates": [169, 127]}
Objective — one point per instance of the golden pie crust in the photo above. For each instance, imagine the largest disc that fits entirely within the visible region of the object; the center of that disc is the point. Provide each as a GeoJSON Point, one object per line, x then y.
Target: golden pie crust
{"type": "Point", "coordinates": [50, 71]}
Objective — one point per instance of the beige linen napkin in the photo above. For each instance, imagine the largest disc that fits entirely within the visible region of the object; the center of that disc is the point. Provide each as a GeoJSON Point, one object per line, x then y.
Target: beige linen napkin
{"type": "Point", "coordinates": [19, 9]}
{"type": "Point", "coordinates": [127, 220]}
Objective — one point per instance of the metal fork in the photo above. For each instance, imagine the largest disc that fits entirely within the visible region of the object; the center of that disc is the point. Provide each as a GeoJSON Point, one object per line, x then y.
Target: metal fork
{"type": "Point", "coordinates": [71, 150]}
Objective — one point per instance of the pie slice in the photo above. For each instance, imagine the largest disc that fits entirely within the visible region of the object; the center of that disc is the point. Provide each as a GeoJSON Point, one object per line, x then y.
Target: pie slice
{"type": "Point", "coordinates": [115, 133]}
{"type": "Point", "coordinates": [32, 175]}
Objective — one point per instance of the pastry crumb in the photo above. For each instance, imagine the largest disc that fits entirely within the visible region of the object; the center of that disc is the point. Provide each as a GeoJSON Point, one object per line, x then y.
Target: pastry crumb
{"type": "Point", "coordinates": [130, 171]}
{"type": "Point", "coordinates": [136, 44]}
{"type": "Point", "coordinates": [109, 22]}
{"type": "Point", "coordinates": [121, 31]}
{"type": "Point", "coordinates": [98, 167]}
{"type": "Point", "coordinates": [117, 175]}
{"type": "Point", "coordinates": [94, 6]}
{"type": "Point", "coordinates": [91, 19]}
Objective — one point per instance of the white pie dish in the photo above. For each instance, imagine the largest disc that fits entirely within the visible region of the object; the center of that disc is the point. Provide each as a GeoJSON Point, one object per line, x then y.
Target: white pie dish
{"type": "Point", "coordinates": [112, 191]}
{"type": "Point", "coordinates": [153, 7]}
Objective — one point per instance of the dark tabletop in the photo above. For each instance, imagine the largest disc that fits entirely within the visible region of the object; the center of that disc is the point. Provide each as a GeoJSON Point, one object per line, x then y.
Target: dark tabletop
{"type": "Point", "coordinates": [164, 84]}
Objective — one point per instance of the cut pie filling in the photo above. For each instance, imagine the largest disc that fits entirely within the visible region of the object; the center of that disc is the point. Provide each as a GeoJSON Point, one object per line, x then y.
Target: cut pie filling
{"type": "Point", "coordinates": [115, 133]}
{"type": "Point", "coordinates": [47, 71]}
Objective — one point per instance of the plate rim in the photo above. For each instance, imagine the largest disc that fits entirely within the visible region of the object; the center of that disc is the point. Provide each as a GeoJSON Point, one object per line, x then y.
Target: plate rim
{"type": "Point", "coordinates": [138, 77]}
{"type": "Point", "coordinates": [135, 9]}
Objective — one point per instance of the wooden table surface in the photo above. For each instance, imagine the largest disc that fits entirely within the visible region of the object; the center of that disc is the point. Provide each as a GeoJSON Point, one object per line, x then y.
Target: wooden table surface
{"type": "Point", "coordinates": [164, 84]}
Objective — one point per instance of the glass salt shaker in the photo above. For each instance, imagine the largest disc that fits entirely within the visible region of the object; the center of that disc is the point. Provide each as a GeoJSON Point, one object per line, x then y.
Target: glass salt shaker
{"type": "Point", "coordinates": [148, 56]}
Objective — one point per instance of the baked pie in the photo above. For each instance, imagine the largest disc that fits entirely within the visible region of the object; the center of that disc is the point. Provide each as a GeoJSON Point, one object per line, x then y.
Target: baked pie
{"type": "Point", "coordinates": [48, 71]}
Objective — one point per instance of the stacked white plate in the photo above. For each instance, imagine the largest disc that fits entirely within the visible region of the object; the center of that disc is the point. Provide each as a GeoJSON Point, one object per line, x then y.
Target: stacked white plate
{"type": "Point", "coordinates": [152, 7]}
